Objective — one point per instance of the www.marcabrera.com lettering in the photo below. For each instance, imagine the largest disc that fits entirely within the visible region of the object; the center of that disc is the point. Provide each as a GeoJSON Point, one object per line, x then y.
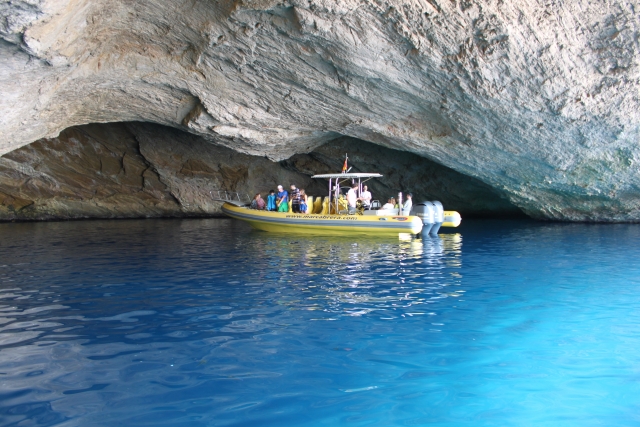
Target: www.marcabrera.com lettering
{"type": "Point", "coordinates": [348, 218]}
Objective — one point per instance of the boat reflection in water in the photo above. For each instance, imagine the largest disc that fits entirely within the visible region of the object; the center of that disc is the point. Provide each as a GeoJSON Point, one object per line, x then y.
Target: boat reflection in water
{"type": "Point", "coordinates": [340, 276]}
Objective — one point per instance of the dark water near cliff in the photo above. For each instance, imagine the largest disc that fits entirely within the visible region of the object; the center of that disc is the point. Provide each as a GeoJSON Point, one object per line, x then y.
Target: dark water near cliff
{"type": "Point", "coordinates": [206, 323]}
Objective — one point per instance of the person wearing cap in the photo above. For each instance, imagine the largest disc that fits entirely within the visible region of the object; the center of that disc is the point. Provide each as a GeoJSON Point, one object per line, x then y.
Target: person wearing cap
{"type": "Point", "coordinates": [282, 199]}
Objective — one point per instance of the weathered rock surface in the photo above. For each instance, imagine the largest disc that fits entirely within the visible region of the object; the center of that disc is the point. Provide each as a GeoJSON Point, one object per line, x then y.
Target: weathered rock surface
{"type": "Point", "coordinates": [128, 170]}
{"type": "Point", "coordinates": [406, 172]}
{"type": "Point", "coordinates": [539, 100]}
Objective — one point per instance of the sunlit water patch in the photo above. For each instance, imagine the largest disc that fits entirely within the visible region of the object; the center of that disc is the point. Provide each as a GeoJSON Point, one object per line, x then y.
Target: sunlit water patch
{"type": "Point", "coordinates": [207, 323]}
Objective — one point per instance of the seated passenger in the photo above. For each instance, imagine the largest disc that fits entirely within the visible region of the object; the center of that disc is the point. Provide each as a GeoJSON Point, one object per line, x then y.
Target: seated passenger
{"type": "Point", "coordinates": [257, 202]}
{"type": "Point", "coordinates": [389, 204]}
{"type": "Point", "coordinates": [303, 201]}
{"type": "Point", "coordinates": [271, 201]}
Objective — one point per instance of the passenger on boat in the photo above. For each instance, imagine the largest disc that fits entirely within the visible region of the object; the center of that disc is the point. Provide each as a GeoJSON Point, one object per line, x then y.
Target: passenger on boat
{"type": "Point", "coordinates": [258, 202]}
{"type": "Point", "coordinates": [351, 198]}
{"type": "Point", "coordinates": [271, 201]}
{"type": "Point", "coordinates": [303, 201]}
{"type": "Point", "coordinates": [389, 204]}
{"type": "Point", "coordinates": [406, 208]}
{"type": "Point", "coordinates": [282, 199]}
{"type": "Point", "coordinates": [365, 197]}
{"type": "Point", "coordinates": [295, 199]}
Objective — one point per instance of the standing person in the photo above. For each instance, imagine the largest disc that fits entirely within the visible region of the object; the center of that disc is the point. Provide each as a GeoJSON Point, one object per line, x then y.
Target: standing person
{"type": "Point", "coordinates": [303, 201]}
{"type": "Point", "coordinates": [406, 208]}
{"type": "Point", "coordinates": [271, 201]}
{"type": "Point", "coordinates": [352, 197]}
{"type": "Point", "coordinates": [295, 199]}
{"type": "Point", "coordinates": [282, 199]}
{"type": "Point", "coordinates": [365, 196]}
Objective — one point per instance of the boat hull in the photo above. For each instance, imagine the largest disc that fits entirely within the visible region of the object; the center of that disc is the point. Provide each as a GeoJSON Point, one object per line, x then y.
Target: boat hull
{"type": "Point", "coordinates": [287, 222]}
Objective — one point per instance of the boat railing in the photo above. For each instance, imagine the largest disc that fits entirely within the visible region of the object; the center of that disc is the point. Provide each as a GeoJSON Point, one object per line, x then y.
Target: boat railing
{"type": "Point", "coordinates": [233, 197]}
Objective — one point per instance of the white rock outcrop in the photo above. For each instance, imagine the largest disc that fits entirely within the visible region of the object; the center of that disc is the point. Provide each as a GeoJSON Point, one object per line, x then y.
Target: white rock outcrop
{"type": "Point", "coordinates": [537, 99]}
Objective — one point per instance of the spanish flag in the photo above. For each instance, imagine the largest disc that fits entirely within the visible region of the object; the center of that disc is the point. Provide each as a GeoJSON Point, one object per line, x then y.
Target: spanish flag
{"type": "Point", "coordinates": [344, 167]}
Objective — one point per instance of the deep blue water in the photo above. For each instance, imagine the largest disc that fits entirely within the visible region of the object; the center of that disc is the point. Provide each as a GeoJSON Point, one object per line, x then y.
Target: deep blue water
{"type": "Point", "coordinates": [207, 323]}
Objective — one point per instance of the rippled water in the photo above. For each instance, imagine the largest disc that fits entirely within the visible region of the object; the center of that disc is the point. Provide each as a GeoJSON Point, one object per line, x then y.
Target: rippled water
{"type": "Point", "coordinates": [207, 323]}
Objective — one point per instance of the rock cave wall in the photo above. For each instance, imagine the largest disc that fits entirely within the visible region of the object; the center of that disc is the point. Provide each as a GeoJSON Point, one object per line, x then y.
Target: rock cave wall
{"type": "Point", "coordinates": [538, 100]}
{"type": "Point", "coordinates": [133, 170]}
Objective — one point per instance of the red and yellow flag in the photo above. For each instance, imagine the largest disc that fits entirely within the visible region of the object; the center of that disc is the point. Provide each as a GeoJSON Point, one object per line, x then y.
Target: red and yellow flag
{"type": "Point", "coordinates": [344, 167]}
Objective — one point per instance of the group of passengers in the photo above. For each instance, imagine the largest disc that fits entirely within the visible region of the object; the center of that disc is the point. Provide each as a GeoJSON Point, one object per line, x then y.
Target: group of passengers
{"type": "Point", "coordinates": [393, 204]}
{"type": "Point", "coordinates": [352, 198]}
{"type": "Point", "coordinates": [365, 199]}
{"type": "Point", "coordinates": [279, 202]}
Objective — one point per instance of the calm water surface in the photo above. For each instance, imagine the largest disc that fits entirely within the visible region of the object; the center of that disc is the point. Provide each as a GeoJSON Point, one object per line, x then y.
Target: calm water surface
{"type": "Point", "coordinates": [207, 323]}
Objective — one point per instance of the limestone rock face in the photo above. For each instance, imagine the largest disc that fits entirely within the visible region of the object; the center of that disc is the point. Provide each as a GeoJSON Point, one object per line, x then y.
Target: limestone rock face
{"type": "Point", "coordinates": [133, 170]}
{"type": "Point", "coordinates": [129, 171]}
{"type": "Point", "coordinates": [538, 100]}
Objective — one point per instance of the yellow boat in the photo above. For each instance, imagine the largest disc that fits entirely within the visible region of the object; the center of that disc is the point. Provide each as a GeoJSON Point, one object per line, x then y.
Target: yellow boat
{"type": "Point", "coordinates": [323, 224]}
{"type": "Point", "coordinates": [332, 215]}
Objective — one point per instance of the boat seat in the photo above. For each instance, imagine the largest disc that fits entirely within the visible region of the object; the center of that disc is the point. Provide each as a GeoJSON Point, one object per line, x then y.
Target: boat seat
{"type": "Point", "coordinates": [317, 205]}
{"type": "Point", "coordinates": [375, 204]}
{"type": "Point", "coordinates": [325, 206]}
{"type": "Point", "coordinates": [309, 204]}
{"type": "Point", "coordinates": [343, 207]}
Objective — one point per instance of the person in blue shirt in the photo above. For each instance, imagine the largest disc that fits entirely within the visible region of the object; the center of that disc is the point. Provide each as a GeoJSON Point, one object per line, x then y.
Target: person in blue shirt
{"type": "Point", "coordinates": [303, 201]}
{"type": "Point", "coordinates": [271, 201]}
{"type": "Point", "coordinates": [282, 199]}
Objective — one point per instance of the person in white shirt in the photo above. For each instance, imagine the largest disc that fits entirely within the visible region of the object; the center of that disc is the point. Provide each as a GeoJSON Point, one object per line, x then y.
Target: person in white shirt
{"type": "Point", "coordinates": [388, 205]}
{"type": "Point", "coordinates": [406, 208]}
{"type": "Point", "coordinates": [365, 196]}
{"type": "Point", "coordinates": [352, 197]}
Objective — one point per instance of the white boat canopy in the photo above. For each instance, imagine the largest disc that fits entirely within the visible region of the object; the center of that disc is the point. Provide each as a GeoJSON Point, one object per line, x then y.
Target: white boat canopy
{"type": "Point", "coordinates": [348, 175]}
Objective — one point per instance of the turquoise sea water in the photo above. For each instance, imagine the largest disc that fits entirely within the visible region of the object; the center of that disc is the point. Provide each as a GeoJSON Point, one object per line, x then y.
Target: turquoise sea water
{"type": "Point", "coordinates": [207, 323]}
